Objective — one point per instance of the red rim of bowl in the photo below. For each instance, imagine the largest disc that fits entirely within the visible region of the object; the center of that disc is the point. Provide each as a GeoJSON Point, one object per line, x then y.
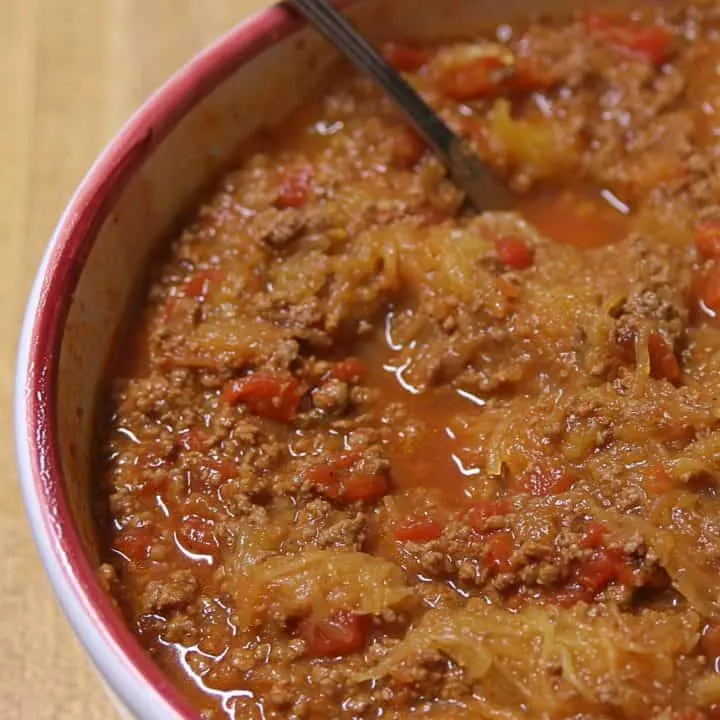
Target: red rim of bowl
{"type": "Point", "coordinates": [73, 575]}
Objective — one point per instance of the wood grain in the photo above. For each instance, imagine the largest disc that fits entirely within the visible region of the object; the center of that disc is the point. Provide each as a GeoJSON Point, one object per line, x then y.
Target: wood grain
{"type": "Point", "coordinates": [71, 72]}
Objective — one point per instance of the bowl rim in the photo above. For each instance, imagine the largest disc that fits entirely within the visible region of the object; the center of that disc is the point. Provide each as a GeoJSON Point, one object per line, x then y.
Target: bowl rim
{"type": "Point", "coordinates": [128, 670]}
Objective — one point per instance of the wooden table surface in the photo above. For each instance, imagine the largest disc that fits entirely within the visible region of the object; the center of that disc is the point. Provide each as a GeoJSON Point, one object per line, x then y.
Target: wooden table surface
{"type": "Point", "coordinates": [71, 71]}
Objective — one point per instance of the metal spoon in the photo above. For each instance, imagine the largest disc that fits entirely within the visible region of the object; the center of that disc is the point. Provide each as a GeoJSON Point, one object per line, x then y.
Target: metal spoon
{"type": "Point", "coordinates": [483, 189]}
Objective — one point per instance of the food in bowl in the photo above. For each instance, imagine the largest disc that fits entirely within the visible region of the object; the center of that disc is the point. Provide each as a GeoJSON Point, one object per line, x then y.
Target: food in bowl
{"type": "Point", "coordinates": [371, 454]}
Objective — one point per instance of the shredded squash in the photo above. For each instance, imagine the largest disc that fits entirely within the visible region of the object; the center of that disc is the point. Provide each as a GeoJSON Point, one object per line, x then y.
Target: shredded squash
{"type": "Point", "coordinates": [320, 582]}
{"type": "Point", "coordinates": [551, 661]}
{"type": "Point", "coordinates": [536, 145]}
{"type": "Point", "coordinates": [689, 571]}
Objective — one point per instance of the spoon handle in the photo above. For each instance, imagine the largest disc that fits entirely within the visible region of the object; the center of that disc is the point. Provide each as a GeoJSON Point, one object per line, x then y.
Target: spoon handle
{"type": "Point", "coordinates": [484, 191]}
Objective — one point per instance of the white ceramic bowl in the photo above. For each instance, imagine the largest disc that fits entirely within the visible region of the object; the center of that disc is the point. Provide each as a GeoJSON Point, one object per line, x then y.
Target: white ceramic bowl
{"type": "Point", "coordinates": [128, 203]}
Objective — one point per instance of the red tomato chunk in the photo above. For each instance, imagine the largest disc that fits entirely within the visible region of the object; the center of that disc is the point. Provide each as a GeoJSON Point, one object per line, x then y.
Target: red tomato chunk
{"type": "Point", "coordinates": [295, 188]}
{"type": "Point", "coordinates": [653, 42]}
{"type": "Point", "coordinates": [663, 363]}
{"type": "Point", "coordinates": [545, 479]}
{"type": "Point", "coordinates": [707, 239]}
{"type": "Point", "coordinates": [597, 574]}
{"type": "Point", "coordinates": [350, 370]}
{"type": "Point", "coordinates": [514, 252]}
{"type": "Point", "coordinates": [196, 535]}
{"type": "Point", "coordinates": [498, 549]}
{"type": "Point", "coordinates": [407, 147]}
{"type": "Point", "coordinates": [529, 77]}
{"type": "Point", "coordinates": [199, 284]}
{"type": "Point", "coordinates": [363, 487]}
{"type": "Point", "coordinates": [484, 509]}
{"type": "Point", "coordinates": [475, 79]}
{"type": "Point", "coordinates": [708, 290]}
{"type": "Point", "coordinates": [658, 480]}
{"type": "Point", "coordinates": [602, 569]}
{"type": "Point", "coordinates": [491, 76]}
{"type": "Point", "coordinates": [339, 480]}
{"type": "Point", "coordinates": [340, 634]}
{"type": "Point", "coordinates": [419, 531]}
{"type": "Point", "coordinates": [135, 542]}
{"type": "Point", "coordinates": [594, 535]}
{"type": "Point", "coordinates": [269, 396]}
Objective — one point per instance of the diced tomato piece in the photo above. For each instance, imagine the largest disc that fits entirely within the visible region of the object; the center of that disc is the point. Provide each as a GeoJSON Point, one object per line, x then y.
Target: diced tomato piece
{"type": "Point", "coordinates": [405, 58]}
{"type": "Point", "coordinates": [653, 42]}
{"type": "Point", "coordinates": [407, 147]}
{"type": "Point", "coordinates": [709, 290]}
{"type": "Point", "coordinates": [135, 542]}
{"type": "Point", "coordinates": [543, 479]}
{"type": "Point", "coordinates": [658, 480]}
{"type": "Point", "coordinates": [479, 78]}
{"type": "Point", "coordinates": [490, 76]}
{"type": "Point", "coordinates": [663, 363]}
{"type": "Point", "coordinates": [419, 531]}
{"type": "Point", "coordinates": [206, 473]}
{"type": "Point", "coordinates": [269, 396]}
{"type": "Point", "coordinates": [328, 477]}
{"type": "Point", "coordinates": [350, 370]}
{"type": "Point", "coordinates": [528, 78]}
{"type": "Point", "coordinates": [623, 571]}
{"type": "Point", "coordinates": [593, 535]}
{"type": "Point", "coordinates": [338, 481]}
{"type": "Point", "coordinates": [483, 509]}
{"type": "Point", "coordinates": [323, 477]}
{"type": "Point", "coordinates": [707, 238]}
{"type": "Point", "coordinates": [498, 549]}
{"type": "Point", "coordinates": [514, 252]}
{"type": "Point", "coordinates": [196, 535]}
{"type": "Point", "coordinates": [295, 187]}
{"type": "Point", "coordinates": [597, 574]}
{"type": "Point", "coordinates": [602, 569]}
{"type": "Point", "coordinates": [364, 487]}
{"type": "Point", "coordinates": [340, 634]}
{"type": "Point", "coordinates": [199, 284]}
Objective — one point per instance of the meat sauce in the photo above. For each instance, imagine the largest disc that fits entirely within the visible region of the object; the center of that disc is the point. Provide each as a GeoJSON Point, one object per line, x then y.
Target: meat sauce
{"type": "Point", "coordinates": [372, 455]}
